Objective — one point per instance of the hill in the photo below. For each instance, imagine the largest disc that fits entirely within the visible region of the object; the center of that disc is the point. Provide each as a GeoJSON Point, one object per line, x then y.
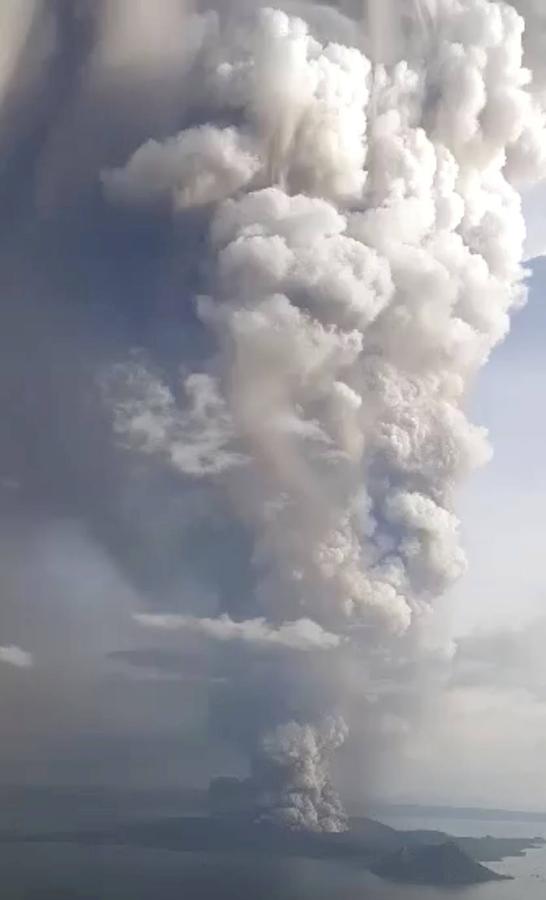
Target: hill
{"type": "Point", "coordinates": [434, 864]}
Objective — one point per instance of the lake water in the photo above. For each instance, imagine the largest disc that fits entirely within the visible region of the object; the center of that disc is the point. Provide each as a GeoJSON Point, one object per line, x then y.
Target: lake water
{"type": "Point", "coordinates": [72, 872]}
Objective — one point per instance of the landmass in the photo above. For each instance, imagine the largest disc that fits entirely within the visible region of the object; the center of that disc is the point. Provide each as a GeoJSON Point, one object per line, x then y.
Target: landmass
{"type": "Point", "coordinates": [220, 821]}
{"type": "Point", "coordinates": [434, 864]}
{"type": "Point", "coordinates": [423, 857]}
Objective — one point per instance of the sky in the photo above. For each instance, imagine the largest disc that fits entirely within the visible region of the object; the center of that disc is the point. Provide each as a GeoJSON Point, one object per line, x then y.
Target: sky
{"type": "Point", "coordinates": [485, 746]}
{"type": "Point", "coordinates": [501, 509]}
{"type": "Point", "coordinates": [139, 644]}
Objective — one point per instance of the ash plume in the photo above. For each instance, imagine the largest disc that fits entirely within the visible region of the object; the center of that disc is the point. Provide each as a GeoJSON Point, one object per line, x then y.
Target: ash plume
{"type": "Point", "coordinates": [291, 770]}
{"type": "Point", "coordinates": [363, 250]}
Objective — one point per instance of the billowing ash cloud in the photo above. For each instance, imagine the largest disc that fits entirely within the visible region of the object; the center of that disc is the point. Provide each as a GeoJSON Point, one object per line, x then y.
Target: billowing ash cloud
{"type": "Point", "coordinates": [363, 255]}
{"type": "Point", "coordinates": [199, 166]}
{"type": "Point", "coordinates": [291, 768]}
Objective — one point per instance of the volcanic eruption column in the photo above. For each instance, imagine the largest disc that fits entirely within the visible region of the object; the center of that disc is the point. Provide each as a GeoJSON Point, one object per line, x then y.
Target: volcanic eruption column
{"type": "Point", "coordinates": [364, 253]}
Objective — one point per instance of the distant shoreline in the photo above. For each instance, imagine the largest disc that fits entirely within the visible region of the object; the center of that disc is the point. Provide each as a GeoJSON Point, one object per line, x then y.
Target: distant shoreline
{"type": "Point", "coordinates": [400, 810]}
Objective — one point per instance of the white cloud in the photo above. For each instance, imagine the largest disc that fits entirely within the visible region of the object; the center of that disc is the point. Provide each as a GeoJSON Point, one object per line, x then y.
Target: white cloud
{"type": "Point", "coordinates": [14, 656]}
{"type": "Point", "coordinates": [303, 634]}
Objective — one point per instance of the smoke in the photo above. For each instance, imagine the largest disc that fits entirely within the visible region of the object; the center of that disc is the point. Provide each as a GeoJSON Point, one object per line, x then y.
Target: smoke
{"type": "Point", "coordinates": [139, 36]}
{"type": "Point", "coordinates": [28, 41]}
{"type": "Point", "coordinates": [535, 18]}
{"type": "Point", "coordinates": [363, 258]}
{"type": "Point", "coordinates": [390, 28]}
{"type": "Point", "coordinates": [202, 165]}
{"type": "Point", "coordinates": [291, 768]}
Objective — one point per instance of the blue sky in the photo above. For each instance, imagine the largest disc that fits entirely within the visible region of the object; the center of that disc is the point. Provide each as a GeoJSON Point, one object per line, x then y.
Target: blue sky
{"type": "Point", "coordinates": [502, 506]}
